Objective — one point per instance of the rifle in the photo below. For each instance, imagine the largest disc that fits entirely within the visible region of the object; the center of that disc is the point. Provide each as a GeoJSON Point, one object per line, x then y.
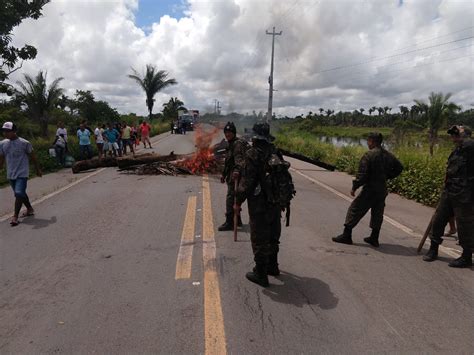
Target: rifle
{"type": "Point", "coordinates": [236, 213]}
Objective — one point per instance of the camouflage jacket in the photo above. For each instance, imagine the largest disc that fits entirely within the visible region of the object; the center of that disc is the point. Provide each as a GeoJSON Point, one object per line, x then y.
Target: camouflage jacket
{"type": "Point", "coordinates": [373, 170]}
{"type": "Point", "coordinates": [235, 158]}
{"type": "Point", "coordinates": [253, 175]}
{"type": "Point", "coordinates": [460, 172]}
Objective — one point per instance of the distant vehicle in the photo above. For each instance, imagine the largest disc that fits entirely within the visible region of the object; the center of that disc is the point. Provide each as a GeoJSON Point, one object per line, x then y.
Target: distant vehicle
{"type": "Point", "coordinates": [187, 119]}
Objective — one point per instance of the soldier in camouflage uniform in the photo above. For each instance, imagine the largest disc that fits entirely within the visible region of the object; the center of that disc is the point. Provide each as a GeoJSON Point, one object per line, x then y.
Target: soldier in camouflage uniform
{"type": "Point", "coordinates": [234, 161]}
{"type": "Point", "coordinates": [265, 223]}
{"type": "Point", "coordinates": [457, 198]}
{"type": "Point", "coordinates": [375, 167]}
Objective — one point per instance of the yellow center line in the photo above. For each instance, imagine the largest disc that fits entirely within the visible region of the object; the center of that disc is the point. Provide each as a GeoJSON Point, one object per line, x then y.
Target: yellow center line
{"type": "Point", "coordinates": [215, 342]}
{"type": "Point", "coordinates": [185, 254]}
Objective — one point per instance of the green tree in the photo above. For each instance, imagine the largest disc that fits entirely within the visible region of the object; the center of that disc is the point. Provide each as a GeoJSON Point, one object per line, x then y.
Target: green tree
{"type": "Point", "coordinates": [171, 108]}
{"type": "Point", "coordinates": [152, 81]}
{"type": "Point", "coordinates": [12, 13]}
{"type": "Point", "coordinates": [437, 111]}
{"type": "Point", "coordinates": [404, 111]}
{"type": "Point", "coordinates": [94, 111]}
{"type": "Point", "coordinates": [38, 98]}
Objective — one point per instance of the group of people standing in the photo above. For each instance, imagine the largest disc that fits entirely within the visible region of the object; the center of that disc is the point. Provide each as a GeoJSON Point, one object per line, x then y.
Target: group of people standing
{"type": "Point", "coordinates": [247, 171]}
{"type": "Point", "coordinates": [112, 139]}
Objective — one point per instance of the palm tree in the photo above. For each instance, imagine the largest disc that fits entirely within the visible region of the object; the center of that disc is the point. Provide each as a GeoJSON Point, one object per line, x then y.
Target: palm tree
{"type": "Point", "coordinates": [404, 111]}
{"type": "Point", "coordinates": [151, 82]}
{"type": "Point", "coordinates": [38, 98]}
{"type": "Point", "coordinates": [171, 108]}
{"type": "Point", "coordinates": [321, 110]}
{"type": "Point", "coordinates": [362, 111]}
{"type": "Point", "coordinates": [436, 113]}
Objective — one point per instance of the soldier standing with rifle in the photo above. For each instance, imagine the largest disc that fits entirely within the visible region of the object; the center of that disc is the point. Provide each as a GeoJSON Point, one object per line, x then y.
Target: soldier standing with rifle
{"type": "Point", "coordinates": [457, 198]}
{"type": "Point", "coordinates": [234, 161]}
{"type": "Point", "coordinates": [375, 167]}
{"type": "Point", "coordinates": [265, 224]}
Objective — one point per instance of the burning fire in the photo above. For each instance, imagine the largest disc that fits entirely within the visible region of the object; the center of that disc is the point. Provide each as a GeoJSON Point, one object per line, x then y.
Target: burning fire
{"type": "Point", "coordinates": [203, 161]}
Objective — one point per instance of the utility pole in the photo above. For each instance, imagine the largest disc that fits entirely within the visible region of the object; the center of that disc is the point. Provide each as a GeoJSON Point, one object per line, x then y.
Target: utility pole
{"type": "Point", "coordinates": [218, 107]}
{"type": "Point", "coordinates": [270, 78]}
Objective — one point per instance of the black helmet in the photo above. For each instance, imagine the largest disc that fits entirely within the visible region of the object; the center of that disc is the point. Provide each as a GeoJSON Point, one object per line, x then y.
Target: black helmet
{"type": "Point", "coordinates": [262, 131]}
{"type": "Point", "coordinates": [376, 137]}
{"type": "Point", "coordinates": [230, 127]}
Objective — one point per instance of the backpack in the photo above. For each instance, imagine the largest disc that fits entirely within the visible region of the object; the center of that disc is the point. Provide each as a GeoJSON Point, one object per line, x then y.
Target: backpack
{"type": "Point", "coordinates": [392, 166]}
{"type": "Point", "coordinates": [278, 183]}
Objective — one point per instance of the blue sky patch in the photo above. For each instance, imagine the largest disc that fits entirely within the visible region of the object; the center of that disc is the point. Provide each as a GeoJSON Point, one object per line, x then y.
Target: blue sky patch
{"type": "Point", "coordinates": [150, 11]}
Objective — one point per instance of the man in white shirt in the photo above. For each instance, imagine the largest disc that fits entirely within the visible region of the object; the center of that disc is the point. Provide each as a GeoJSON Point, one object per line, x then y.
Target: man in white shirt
{"type": "Point", "coordinates": [99, 140]}
{"type": "Point", "coordinates": [62, 130]}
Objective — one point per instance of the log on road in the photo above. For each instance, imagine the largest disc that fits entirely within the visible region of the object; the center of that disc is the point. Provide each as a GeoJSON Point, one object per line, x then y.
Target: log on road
{"type": "Point", "coordinates": [125, 162]}
{"type": "Point", "coordinates": [94, 163]}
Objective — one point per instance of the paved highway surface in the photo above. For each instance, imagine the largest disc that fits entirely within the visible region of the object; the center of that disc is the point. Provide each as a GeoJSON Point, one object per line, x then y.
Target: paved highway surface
{"type": "Point", "coordinates": [122, 263]}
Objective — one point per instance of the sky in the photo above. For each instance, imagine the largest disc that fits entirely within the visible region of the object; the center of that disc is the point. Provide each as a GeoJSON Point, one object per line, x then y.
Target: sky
{"type": "Point", "coordinates": [332, 54]}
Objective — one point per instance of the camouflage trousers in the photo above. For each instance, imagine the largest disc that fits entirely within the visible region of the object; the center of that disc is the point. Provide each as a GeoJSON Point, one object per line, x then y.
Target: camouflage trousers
{"type": "Point", "coordinates": [265, 231]}
{"type": "Point", "coordinates": [367, 199]}
{"type": "Point", "coordinates": [464, 214]}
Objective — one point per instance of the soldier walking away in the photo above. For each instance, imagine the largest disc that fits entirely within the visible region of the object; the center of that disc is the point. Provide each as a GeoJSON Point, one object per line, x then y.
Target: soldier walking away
{"type": "Point", "coordinates": [257, 186]}
{"type": "Point", "coordinates": [376, 166]}
{"type": "Point", "coordinates": [234, 161]}
{"type": "Point", "coordinates": [17, 152]}
{"type": "Point", "coordinates": [457, 198]}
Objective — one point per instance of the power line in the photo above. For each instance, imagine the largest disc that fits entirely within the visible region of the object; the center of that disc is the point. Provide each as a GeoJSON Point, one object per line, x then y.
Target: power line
{"type": "Point", "coordinates": [434, 38]}
{"type": "Point", "coordinates": [375, 59]}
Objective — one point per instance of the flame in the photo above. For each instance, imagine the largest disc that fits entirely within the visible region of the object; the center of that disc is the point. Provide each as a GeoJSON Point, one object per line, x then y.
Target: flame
{"type": "Point", "coordinates": [203, 161]}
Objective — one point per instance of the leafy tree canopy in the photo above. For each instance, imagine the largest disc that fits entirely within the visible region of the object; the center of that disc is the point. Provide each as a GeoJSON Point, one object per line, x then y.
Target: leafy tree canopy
{"type": "Point", "coordinates": [12, 13]}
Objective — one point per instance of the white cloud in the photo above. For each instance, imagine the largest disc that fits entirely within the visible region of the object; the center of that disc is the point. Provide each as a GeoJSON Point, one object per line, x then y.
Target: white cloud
{"type": "Point", "coordinates": [220, 50]}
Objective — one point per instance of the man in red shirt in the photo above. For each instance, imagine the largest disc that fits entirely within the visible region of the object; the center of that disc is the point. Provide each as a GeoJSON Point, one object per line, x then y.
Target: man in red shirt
{"type": "Point", "coordinates": [145, 129]}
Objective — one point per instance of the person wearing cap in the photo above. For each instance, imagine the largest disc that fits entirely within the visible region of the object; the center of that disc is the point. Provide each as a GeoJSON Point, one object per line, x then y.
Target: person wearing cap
{"type": "Point", "coordinates": [375, 167]}
{"type": "Point", "coordinates": [234, 162]}
{"type": "Point", "coordinates": [17, 152]}
{"type": "Point", "coordinates": [265, 223]}
{"type": "Point", "coordinates": [457, 198]}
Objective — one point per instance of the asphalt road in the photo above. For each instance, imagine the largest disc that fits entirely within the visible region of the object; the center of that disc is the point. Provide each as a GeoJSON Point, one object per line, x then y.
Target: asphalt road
{"type": "Point", "coordinates": [123, 263]}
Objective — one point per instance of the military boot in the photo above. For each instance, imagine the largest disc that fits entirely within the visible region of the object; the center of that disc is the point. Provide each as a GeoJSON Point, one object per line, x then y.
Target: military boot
{"type": "Point", "coordinates": [258, 275]}
{"type": "Point", "coordinates": [239, 222]}
{"type": "Point", "coordinates": [432, 253]}
{"type": "Point", "coordinates": [464, 261]}
{"type": "Point", "coordinates": [273, 269]}
{"type": "Point", "coordinates": [345, 237]}
{"type": "Point", "coordinates": [228, 225]}
{"type": "Point", "coordinates": [374, 238]}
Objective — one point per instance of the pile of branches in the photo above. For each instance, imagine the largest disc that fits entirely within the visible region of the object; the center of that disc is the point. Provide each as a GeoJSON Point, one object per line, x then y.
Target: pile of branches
{"type": "Point", "coordinates": [157, 168]}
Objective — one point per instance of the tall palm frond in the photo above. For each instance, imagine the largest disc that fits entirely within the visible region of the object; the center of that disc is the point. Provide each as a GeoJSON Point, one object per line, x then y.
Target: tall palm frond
{"type": "Point", "coordinates": [38, 98]}
{"type": "Point", "coordinates": [152, 81]}
{"type": "Point", "coordinates": [436, 112]}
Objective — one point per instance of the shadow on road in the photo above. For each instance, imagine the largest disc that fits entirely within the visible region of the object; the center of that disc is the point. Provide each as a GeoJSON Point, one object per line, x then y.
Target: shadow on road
{"type": "Point", "coordinates": [39, 223]}
{"type": "Point", "coordinates": [391, 249]}
{"type": "Point", "coordinates": [300, 291]}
